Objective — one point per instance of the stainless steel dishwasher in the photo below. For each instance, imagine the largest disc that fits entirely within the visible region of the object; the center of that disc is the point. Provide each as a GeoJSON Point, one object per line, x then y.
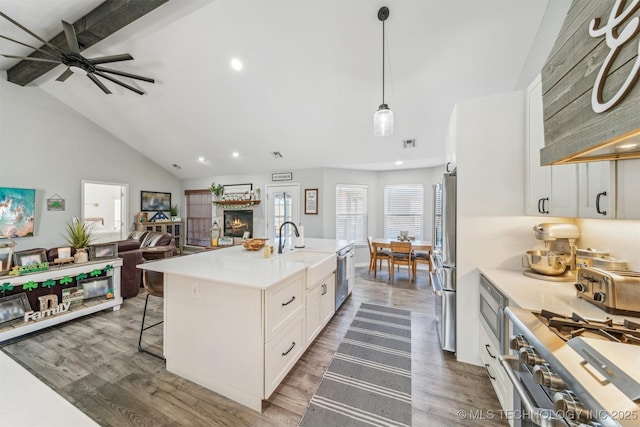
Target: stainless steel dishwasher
{"type": "Point", "coordinates": [343, 273]}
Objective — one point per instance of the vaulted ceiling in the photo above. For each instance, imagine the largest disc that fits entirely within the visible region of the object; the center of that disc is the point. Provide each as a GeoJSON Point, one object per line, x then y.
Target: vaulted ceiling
{"type": "Point", "coordinates": [310, 83]}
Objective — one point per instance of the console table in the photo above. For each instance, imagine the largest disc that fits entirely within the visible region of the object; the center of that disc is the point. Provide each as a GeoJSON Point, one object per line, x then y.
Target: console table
{"type": "Point", "coordinates": [16, 328]}
{"type": "Point", "coordinates": [175, 228]}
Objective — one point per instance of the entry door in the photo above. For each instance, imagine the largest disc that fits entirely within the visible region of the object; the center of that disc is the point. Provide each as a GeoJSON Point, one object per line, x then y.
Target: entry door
{"type": "Point", "coordinates": [283, 204]}
{"type": "Point", "coordinates": [104, 205]}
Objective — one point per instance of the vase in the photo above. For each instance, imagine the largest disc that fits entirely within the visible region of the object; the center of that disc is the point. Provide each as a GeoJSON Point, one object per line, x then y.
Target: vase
{"type": "Point", "coordinates": [81, 256]}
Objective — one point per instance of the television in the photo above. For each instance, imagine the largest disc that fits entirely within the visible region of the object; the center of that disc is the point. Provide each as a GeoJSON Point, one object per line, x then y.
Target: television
{"type": "Point", "coordinates": [155, 201]}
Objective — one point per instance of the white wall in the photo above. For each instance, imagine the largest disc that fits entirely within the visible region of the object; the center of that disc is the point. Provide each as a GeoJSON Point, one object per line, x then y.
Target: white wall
{"type": "Point", "coordinates": [620, 238]}
{"type": "Point", "coordinates": [47, 146]}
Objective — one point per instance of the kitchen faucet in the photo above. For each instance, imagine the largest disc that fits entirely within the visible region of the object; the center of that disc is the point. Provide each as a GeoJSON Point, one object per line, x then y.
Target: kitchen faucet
{"type": "Point", "coordinates": [280, 245]}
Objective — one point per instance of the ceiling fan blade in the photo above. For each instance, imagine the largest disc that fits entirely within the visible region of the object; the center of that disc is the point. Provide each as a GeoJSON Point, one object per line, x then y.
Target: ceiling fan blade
{"type": "Point", "coordinates": [112, 58]}
{"type": "Point", "coordinates": [118, 82]}
{"type": "Point", "coordinates": [72, 40]}
{"type": "Point", "coordinates": [123, 74]}
{"type": "Point", "coordinates": [64, 76]}
{"type": "Point", "coordinates": [98, 83]}
{"type": "Point", "coordinates": [28, 58]}
{"type": "Point", "coordinates": [29, 46]}
{"type": "Point", "coordinates": [29, 32]}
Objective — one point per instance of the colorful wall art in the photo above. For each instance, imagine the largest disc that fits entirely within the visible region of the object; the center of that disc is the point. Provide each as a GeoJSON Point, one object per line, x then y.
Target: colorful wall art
{"type": "Point", "coordinates": [17, 211]}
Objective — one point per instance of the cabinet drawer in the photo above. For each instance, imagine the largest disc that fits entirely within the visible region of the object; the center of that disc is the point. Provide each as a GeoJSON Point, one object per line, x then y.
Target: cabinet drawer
{"type": "Point", "coordinates": [500, 382]}
{"type": "Point", "coordinates": [283, 301]}
{"type": "Point", "coordinates": [282, 352]}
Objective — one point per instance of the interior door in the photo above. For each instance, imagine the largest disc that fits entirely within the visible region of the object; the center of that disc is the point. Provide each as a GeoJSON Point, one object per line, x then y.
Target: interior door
{"type": "Point", "coordinates": [283, 204]}
{"type": "Point", "coordinates": [104, 205]}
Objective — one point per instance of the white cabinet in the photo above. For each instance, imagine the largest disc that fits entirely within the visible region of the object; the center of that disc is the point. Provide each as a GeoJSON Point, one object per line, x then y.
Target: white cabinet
{"type": "Point", "coordinates": [320, 306]}
{"type": "Point", "coordinates": [597, 189]}
{"type": "Point", "coordinates": [628, 191]}
{"type": "Point", "coordinates": [499, 380]}
{"type": "Point", "coordinates": [550, 190]}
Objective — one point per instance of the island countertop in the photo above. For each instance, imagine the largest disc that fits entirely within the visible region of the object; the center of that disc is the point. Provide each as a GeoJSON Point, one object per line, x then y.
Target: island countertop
{"type": "Point", "coordinates": [236, 265]}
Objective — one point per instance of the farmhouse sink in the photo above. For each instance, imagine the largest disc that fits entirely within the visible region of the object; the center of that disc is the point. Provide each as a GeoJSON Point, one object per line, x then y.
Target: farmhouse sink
{"type": "Point", "coordinates": [319, 264]}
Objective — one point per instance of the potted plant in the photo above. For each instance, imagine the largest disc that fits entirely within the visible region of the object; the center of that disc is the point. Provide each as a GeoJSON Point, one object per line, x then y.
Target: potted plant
{"type": "Point", "coordinates": [174, 210]}
{"type": "Point", "coordinates": [216, 189]}
{"type": "Point", "coordinates": [79, 235]}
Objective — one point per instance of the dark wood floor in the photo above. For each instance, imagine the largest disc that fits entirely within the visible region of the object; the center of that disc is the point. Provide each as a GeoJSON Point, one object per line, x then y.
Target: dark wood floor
{"type": "Point", "coordinates": [93, 362]}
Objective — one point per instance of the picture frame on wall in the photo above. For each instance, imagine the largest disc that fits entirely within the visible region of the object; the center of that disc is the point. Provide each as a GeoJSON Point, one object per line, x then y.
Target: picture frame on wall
{"type": "Point", "coordinates": [30, 257]}
{"type": "Point", "coordinates": [13, 307]}
{"type": "Point", "coordinates": [311, 201]}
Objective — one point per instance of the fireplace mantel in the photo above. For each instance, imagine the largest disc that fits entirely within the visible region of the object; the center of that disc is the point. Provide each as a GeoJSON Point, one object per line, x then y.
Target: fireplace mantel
{"type": "Point", "coordinates": [236, 204]}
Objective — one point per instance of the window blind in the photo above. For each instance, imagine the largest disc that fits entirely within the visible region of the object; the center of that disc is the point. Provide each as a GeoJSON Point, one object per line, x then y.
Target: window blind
{"type": "Point", "coordinates": [351, 213]}
{"type": "Point", "coordinates": [198, 217]}
{"type": "Point", "coordinates": [404, 210]}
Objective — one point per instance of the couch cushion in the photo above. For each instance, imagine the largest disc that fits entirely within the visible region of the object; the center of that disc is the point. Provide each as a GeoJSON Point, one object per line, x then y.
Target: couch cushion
{"type": "Point", "coordinates": [156, 239]}
{"type": "Point", "coordinates": [128, 245]}
{"type": "Point", "coordinates": [138, 235]}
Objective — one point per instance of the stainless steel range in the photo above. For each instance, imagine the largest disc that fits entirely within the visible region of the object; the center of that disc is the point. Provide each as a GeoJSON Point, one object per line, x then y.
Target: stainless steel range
{"type": "Point", "coordinates": [570, 371]}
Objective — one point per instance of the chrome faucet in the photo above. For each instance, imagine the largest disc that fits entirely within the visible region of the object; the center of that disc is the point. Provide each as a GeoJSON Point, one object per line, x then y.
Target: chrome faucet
{"type": "Point", "coordinates": [280, 245]}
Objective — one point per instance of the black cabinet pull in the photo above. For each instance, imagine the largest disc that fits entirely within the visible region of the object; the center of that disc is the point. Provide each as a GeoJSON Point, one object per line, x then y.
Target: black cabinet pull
{"type": "Point", "coordinates": [293, 344]}
{"type": "Point", "coordinates": [544, 211]}
{"type": "Point", "coordinates": [324, 289]}
{"type": "Point", "coordinates": [289, 302]}
{"type": "Point", "coordinates": [604, 193]}
{"type": "Point", "coordinates": [487, 347]}
{"type": "Point", "coordinates": [486, 366]}
{"type": "Point", "coordinates": [539, 205]}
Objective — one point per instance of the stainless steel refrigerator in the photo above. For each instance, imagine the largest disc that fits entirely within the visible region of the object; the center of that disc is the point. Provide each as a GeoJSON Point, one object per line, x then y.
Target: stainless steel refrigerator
{"type": "Point", "coordinates": [443, 259]}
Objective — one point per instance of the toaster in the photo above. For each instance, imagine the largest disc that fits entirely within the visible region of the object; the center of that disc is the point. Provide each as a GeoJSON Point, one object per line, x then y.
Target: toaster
{"type": "Point", "coordinates": [616, 292]}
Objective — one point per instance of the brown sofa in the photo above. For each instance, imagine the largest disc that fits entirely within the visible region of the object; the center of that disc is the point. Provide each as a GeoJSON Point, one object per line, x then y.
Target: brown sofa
{"type": "Point", "coordinates": [131, 251]}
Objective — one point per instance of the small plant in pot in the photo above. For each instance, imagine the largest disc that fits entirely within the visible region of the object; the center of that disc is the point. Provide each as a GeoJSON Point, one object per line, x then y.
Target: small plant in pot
{"type": "Point", "coordinates": [216, 189]}
{"type": "Point", "coordinates": [79, 235]}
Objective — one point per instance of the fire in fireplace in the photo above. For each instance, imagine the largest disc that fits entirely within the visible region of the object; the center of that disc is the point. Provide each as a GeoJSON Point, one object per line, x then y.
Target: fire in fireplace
{"type": "Point", "coordinates": [237, 222]}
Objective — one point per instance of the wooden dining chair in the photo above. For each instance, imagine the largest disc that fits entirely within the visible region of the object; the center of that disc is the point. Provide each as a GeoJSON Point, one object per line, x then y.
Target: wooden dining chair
{"type": "Point", "coordinates": [420, 257]}
{"type": "Point", "coordinates": [400, 255]}
{"type": "Point", "coordinates": [382, 254]}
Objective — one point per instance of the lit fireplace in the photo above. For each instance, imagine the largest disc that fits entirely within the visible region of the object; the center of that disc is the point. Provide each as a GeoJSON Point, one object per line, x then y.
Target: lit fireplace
{"type": "Point", "coordinates": [237, 222]}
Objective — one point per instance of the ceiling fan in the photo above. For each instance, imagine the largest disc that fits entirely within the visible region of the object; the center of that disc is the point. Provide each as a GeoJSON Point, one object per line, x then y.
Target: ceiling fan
{"type": "Point", "coordinates": [75, 61]}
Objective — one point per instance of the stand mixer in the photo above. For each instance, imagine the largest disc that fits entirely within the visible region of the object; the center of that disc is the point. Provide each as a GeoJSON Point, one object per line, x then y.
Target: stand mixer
{"type": "Point", "coordinates": [558, 261]}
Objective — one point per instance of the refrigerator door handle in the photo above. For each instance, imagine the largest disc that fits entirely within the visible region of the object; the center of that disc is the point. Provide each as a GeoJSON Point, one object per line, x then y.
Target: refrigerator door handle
{"type": "Point", "coordinates": [436, 286]}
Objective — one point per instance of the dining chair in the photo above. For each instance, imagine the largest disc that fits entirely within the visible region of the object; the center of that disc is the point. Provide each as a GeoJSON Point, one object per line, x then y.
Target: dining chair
{"type": "Point", "coordinates": [382, 254]}
{"type": "Point", "coordinates": [400, 255]}
{"type": "Point", "coordinates": [420, 257]}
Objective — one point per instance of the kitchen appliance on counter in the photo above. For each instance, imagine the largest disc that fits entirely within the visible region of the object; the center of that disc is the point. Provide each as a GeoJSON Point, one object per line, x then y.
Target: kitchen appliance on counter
{"type": "Point", "coordinates": [616, 292]}
{"type": "Point", "coordinates": [570, 371]}
{"type": "Point", "coordinates": [443, 260]}
{"type": "Point", "coordinates": [345, 273]}
{"type": "Point", "coordinates": [558, 261]}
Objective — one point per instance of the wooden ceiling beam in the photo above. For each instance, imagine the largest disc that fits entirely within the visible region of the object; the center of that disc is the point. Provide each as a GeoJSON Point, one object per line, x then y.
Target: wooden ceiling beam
{"type": "Point", "coordinates": [95, 26]}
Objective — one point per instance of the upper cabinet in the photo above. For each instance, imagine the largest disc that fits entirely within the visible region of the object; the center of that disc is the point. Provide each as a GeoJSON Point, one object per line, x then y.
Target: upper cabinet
{"type": "Point", "coordinates": [550, 190]}
{"type": "Point", "coordinates": [628, 197]}
{"type": "Point", "coordinates": [597, 189]}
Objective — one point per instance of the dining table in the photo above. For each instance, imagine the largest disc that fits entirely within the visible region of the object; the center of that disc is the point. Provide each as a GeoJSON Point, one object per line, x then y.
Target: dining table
{"type": "Point", "coordinates": [385, 243]}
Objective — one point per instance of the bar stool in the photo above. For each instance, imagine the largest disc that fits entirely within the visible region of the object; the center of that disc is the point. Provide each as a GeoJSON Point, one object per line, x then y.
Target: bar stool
{"type": "Point", "coordinates": [153, 283]}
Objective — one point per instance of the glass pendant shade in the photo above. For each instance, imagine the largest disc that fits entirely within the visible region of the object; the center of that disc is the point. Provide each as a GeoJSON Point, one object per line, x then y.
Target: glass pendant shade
{"type": "Point", "coordinates": [383, 121]}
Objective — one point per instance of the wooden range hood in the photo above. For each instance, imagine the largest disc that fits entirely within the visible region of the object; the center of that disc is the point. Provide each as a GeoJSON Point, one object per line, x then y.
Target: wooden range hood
{"type": "Point", "coordinates": [591, 96]}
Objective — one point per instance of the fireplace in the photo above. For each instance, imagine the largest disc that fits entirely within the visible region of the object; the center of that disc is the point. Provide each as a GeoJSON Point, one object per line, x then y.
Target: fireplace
{"type": "Point", "coordinates": [237, 222]}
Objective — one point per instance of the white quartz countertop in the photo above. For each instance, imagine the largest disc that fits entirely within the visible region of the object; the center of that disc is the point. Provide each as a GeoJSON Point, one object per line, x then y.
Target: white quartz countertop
{"type": "Point", "coordinates": [236, 265]}
{"type": "Point", "coordinates": [534, 294]}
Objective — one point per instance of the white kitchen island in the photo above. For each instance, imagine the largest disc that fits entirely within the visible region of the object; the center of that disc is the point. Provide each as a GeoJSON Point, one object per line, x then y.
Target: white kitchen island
{"type": "Point", "coordinates": [236, 322]}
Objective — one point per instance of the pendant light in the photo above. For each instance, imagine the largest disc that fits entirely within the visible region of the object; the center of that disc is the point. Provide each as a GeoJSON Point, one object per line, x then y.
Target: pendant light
{"type": "Point", "coordinates": [383, 118]}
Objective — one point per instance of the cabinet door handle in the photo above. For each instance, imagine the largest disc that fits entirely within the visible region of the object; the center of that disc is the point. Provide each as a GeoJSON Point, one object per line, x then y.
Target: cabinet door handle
{"type": "Point", "coordinates": [604, 193]}
{"type": "Point", "coordinates": [293, 344]}
{"type": "Point", "coordinates": [486, 366]}
{"type": "Point", "coordinates": [324, 289]}
{"type": "Point", "coordinates": [539, 206]}
{"type": "Point", "coordinates": [289, 302]}
{"type": "Point", "coordinates": [487, 347]}
{"type": "Point", "coordinates": [544, 211]}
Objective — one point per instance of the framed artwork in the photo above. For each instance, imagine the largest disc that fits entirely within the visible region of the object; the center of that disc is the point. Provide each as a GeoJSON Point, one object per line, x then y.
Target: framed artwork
{"type": "Point", "coordinates": [30, 257]}
{"type": "Point", "coordinates": [17, 216]}
{"type": "Point", "coordinates": [282, 176]}
{"type": "Point", "coordinates": [13, 307]}
{"type": "Point", "coordinates": [311, 201]}
{"type": "Point", "coordinates": [155, 201]}
{"type": "Point", "coordinates": [95, 288]}
{"type": "Point", "coordinates": [103, 251]}
{"type": "Point", "coordinates": [6, 255]}
{"type": "Point", "coordinates": [237, 189]}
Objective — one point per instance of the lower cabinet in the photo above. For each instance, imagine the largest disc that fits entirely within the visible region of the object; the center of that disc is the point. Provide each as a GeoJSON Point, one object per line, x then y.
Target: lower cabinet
{"type": "Point", "coordinates": [499, 380]}
{"type": "Point", "coordinates": [282, 352]}
{"type": "Point", "coordinates": [320, 306]}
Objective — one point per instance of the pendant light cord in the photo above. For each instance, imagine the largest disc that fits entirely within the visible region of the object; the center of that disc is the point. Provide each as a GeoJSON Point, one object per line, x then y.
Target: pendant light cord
{"type": "Point", "coordinates": [382, 62]}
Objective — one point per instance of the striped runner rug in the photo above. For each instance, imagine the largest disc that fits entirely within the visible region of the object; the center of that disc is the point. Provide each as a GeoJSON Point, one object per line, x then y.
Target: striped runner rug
{"type": "Point", "coordinates": [369, 380]}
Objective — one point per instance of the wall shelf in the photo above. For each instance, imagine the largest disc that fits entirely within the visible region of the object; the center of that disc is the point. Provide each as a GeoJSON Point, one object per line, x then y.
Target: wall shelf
{"type": "Point", "coordinates": [236, 204]}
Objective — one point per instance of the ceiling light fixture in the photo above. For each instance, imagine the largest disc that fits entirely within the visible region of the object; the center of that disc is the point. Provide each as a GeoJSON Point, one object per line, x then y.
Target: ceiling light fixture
{"type": "Point", "coordinates": [236, 64]}
{"type": "Point", "coordinates": [235, 154]}
{"type": "Point", "coordinates": [398, 163]}
{"type": "Point", "coordinates": [383, 118]}
{"type": "Point", "coordinates": [201, 159]}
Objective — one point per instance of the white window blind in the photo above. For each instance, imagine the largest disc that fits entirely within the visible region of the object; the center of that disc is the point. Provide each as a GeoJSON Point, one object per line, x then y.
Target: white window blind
{"type": "Point", "coordinates": [404, 210]}
{"type": "Point", "coordinates": [351, 213]}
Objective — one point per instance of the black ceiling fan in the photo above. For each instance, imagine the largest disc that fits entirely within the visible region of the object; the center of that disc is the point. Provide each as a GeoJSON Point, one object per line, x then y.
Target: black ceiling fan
{"type": "Point", "coordinates": [74, 60]}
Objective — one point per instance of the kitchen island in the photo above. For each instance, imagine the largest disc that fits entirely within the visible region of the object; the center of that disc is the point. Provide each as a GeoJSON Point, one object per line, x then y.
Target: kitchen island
{"type": "Point", "coordinates": [236, 322]}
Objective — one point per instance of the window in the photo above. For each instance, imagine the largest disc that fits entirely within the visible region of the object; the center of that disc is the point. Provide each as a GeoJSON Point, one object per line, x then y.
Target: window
{"type": "Point", "coordinates": [351, 213]}
{"type": "Point", "coordinates": [403, 210]}
{"type": "Point", "coordinates": [198, 217]}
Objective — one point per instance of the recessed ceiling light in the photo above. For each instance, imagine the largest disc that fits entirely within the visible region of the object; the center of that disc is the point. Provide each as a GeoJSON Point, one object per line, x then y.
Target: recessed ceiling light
{"type": "Point", "coordinates": [627, 146]}
{"type": "Point", "coordinates": [201, 159]}
{"type": "Point", "coordinates": [235, 154]}
{"type": "Point", "coordinates": [399, 162]}
{"type": "Point", "coordinates": [236, 64]}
